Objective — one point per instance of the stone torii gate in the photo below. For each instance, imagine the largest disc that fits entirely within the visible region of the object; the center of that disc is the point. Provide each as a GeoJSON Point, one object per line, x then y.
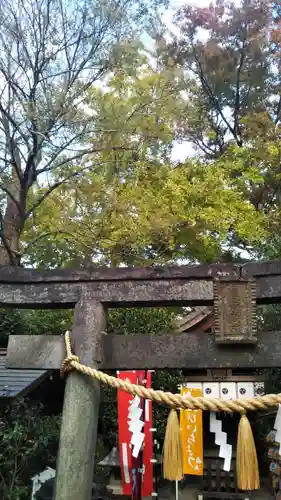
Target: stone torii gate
{"type": "Point", "coordinates": [233, 290]}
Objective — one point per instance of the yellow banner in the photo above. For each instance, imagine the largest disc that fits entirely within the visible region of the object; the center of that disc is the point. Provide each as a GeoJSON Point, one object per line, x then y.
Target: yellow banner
{"type": "Point", "coordinates": [191, 424]}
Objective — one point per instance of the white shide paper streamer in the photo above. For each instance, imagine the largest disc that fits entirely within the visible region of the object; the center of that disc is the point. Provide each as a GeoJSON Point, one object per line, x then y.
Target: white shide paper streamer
{"type": "Point", "coordinates": [221, 440]}
{"type": "Point", "coordinates": [136, 426]}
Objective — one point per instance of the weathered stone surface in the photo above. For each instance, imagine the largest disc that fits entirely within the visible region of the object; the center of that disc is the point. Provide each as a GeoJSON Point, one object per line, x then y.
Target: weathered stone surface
{"type": "Point", "coordinates": [117, 294]}
{"type": "Point", "coordinates": [89, 326]}
{"type": "Point", "coordinates": [261, 269]}
{"type": "Point", "coordinates": [132, 287]}
{"type": "Point", "coordinates": [268, 289]}
{"type": "Point", "coordinates": [235, 311]}
{"type": "Point", "coordinates": [75, 464]}
{"type": "Point", "coordinates": [10, 274]}
{"type": "Point", "coordinates": [191, 351]}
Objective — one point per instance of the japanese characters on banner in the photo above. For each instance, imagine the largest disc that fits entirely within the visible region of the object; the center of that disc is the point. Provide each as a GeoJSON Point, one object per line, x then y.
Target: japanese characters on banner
{"type": "Point", "coordinates": [135, 436]}
{"type": "Point", "coordinates": [191, 425]}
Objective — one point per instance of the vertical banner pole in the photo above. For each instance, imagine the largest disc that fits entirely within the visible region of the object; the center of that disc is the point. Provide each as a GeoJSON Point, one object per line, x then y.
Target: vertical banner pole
{"type": "Point", "coordinates": [137, 462]}
{"type": "Point", "coordinates": [147, 482]}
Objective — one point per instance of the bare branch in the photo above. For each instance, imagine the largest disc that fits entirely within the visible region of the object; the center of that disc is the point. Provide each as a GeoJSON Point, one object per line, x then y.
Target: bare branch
{"type": "Point", "coordinates": [278, 112]}
{"type": "Point", "coordinates": [52, 188]}
{"type": "Point", "coordinates": [10, 195]}
{"type": "Point", "coordinates": [80, 154]}
{"type": "Point", "coordinates": [59, 183]}
{"type": "Point", "coordinates": [214, 101]}
{"type": "Point", "coordinates": [53, 233]}
{"type": "Point", "coordinates": [237, 90]}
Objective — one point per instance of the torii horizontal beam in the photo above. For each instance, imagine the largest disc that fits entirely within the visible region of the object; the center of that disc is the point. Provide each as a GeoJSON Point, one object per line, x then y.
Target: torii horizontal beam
{"type": "Point", "coordinates": [196, 350]}
{"type": "Point", "coordinates": [131, 287]}
{"type": "Point", "coordinates": [205, 271]}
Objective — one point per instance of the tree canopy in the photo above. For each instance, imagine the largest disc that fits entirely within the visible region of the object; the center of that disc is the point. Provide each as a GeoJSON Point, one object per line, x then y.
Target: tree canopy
{"type": "Point", "coordinates": [90, 112]}
{"type": "Point", "coordinates": [135, 206]}
{"type": "Point", "coordinates": [51, 52]}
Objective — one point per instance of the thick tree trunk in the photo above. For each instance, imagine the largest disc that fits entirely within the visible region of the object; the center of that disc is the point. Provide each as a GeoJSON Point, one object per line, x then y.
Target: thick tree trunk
{"type": "Point", "coordinates": [12, 225]}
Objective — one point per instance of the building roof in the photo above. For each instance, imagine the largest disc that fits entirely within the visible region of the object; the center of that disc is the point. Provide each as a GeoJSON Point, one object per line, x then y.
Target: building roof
{"type": "Point", "coordinates": [14, 383]}
{"type": "Point", "coordinates": [112, 459]}
{"type": "Point", "coordinates": [198, 317]}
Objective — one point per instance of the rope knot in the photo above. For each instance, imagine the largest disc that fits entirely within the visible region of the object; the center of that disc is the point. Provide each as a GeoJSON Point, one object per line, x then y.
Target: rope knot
{"type": "Point", "coordinates": [67, 365]}
{"type": "Point", "coordinates": [70, 360]}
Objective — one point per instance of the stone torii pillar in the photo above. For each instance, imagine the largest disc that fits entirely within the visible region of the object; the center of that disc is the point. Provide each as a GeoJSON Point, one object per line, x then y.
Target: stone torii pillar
{"type": "Point", "coordinates": [75, 464]}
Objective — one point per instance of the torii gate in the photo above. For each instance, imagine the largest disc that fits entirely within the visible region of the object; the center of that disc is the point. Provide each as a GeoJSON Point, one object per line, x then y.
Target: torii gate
{"type": "Point", "coordinates": [233, 289]}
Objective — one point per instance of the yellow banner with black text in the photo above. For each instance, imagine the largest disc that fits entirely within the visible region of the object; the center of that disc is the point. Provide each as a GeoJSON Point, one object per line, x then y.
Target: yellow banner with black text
{"type": "Point", "coordinates": [191, 425]}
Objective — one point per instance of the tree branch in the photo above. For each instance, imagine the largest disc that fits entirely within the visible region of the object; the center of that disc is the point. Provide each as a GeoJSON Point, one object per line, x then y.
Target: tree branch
{"type": "Point", "coordinates": [54, 233]}
{"type": "Point", "coordinates": [49, 167]}
{"type": "Point", "coordinates": [11, 196]}
{"type": "Point", "coordinates": [211, 95]}
{"type": "Point", "coordinates": [278, 111]}
{"type": "Point", "coordinates": [237, 97]}
{"type": "Point", "coordinates": [51, 189]}
{"type": "Point", "coordinates": [65, 179]}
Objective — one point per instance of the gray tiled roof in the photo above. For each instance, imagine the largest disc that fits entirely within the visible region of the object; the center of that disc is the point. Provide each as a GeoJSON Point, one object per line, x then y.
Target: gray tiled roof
{"type": "Point", "coordinates": [17, 382]}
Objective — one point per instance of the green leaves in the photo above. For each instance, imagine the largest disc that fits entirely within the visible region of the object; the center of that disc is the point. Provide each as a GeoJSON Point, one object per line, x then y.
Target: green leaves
{"type": "Point", "coordinates": [132, 205]}
{"type": "Point", "coordinates": [157, 213]}
{"type": "Point", "coordinates": [27, 440]}
{"type": "Point", "coordinates": [232, 68]}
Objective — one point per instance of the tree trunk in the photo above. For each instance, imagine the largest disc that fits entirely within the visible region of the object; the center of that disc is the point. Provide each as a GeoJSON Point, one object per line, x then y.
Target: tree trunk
{"type": "Point", "coordinates": [12, 225]}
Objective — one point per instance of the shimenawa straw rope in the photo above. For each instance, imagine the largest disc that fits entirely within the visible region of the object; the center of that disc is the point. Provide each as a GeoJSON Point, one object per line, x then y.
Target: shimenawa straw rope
{"type": "Point", "coordinates": [71, 362]}
{"type": "Point", "coordinates": [247, 463]}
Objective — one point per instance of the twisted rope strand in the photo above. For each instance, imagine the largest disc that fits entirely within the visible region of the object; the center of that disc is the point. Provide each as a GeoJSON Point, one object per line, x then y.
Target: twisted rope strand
{"type": "Point", "coordinates": [172, 400]}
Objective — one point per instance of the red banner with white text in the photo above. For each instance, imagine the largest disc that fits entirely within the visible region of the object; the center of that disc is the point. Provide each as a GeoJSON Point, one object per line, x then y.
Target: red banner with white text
{"type": "Point", "coordinates": [127, 461]}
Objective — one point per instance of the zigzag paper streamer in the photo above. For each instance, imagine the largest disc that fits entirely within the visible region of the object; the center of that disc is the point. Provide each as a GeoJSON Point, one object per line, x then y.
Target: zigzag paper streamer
{"type": "Point", "coordinates": [136, 426]}
{"type": "Point", "coordinates": [277, 428]}
{"type": "Point", "coordinates": [221, 440]}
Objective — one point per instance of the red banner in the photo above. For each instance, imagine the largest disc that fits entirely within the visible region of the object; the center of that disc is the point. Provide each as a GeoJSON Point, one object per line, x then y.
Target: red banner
{"type": "Point", "coordinates": [125, 435]}
{"type": "Point", "coordinates": [147, 484]}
